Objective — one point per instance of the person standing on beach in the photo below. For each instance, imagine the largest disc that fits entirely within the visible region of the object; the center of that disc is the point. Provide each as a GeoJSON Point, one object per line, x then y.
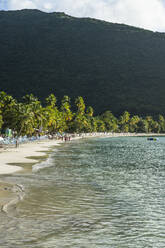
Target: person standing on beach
{"type": "Point", "coordinates": [16, 143]}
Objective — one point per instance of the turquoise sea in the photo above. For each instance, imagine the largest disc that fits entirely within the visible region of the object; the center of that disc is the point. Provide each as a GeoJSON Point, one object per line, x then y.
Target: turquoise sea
{"type": "Point", "coordinates": [91, 193]}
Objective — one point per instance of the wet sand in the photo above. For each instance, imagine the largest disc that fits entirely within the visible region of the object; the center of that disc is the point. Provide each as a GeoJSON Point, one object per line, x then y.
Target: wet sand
{"type": "Point", "coordinates": [12, 157]}
{"type": "Point", "coordinates": [23, 154]}
{"type": "Point", "coordinates": [10, 194]}
{"type": "Point", "coordinates": [6, 194]}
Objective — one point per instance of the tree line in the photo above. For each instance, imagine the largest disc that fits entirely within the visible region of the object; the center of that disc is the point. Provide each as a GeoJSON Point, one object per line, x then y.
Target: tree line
{"type": "Point", "coordinates": [30, 117]}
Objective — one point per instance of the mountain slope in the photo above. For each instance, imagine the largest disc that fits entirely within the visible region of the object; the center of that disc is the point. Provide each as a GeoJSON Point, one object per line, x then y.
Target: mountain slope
{"type": "Point", "coordinates": [114, 67]}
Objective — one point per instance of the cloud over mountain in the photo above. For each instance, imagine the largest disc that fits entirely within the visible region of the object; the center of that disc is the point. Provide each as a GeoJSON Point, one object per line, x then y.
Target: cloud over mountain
{"type": "Point", "coordinates": [149, 14]}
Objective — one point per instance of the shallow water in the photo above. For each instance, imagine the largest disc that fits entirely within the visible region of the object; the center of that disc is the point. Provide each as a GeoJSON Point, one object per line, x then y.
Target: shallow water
{"type": "Point", "coordinates": [93, 193]}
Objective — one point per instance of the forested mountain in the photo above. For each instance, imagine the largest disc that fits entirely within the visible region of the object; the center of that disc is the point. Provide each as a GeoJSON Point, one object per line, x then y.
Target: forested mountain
{"type": "Point", "coordinates": [113, 67]}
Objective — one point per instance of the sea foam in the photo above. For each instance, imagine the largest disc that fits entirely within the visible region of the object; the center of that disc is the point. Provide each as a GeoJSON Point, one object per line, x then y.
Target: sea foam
{"type": "Point", "coordinates": [49, 162]}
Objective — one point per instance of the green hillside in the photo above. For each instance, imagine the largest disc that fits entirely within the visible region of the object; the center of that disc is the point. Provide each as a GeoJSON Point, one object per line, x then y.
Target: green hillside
{"type": "Point", "coordinates": [113, 67]}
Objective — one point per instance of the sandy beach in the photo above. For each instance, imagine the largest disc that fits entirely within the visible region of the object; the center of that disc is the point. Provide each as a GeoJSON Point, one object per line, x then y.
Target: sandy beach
{"type": "Point", "coordinates": [14, 160]}
{"type": "Point", "coordinates": [23, 154]}
{"type": "Point", "coordinates": [11, 157]}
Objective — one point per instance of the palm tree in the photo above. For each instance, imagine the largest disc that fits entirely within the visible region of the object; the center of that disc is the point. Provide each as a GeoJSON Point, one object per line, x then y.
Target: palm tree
{"type": "Point", "coordinates": [37, 111]}
{"type": "Point", "coordinates": [66, 113]}
{"type": "Point", "coordinates": [24, 120]}
{"type": "Point", "coordinates": [7, 106]}
{"type": "Point", "coordinates": [51, 100]}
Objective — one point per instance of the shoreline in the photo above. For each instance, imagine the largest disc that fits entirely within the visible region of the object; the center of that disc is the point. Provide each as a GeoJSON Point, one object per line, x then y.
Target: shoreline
{"type": "Point", "coordinates": [10, 193]}
{"type": "Point", "coordinates": [23, 154]}
{"type": "Point", "coordinates": [12, 156]}
{"type": "Point", "coordinates": [31, 153]}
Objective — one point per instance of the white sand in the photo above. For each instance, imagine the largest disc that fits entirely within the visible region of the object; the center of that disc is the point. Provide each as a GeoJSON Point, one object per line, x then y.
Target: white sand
{"type": "Point", "coordinates": [21, 154]}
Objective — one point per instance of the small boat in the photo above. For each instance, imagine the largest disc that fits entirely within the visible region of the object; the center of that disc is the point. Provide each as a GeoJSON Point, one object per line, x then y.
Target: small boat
{"type": "Point", "coordinates": [151, 138]}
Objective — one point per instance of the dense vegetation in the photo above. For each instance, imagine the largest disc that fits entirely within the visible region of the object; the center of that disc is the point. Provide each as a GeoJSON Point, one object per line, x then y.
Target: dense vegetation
{"type": "Point", "coordinates": [29, 117]}
{"type": "Point", "coordinates": [111, 66]}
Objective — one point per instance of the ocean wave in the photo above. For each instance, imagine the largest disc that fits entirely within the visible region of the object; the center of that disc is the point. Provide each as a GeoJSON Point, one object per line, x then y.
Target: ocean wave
{"type": "Point", "coordinates": [42, 165]}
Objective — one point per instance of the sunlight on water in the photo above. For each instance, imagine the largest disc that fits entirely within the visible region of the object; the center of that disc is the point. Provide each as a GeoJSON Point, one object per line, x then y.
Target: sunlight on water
{"type": "Point", "coordinates": [92, 193]}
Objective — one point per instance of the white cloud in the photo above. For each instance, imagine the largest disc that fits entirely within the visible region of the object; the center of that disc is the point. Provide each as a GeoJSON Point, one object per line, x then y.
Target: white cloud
{"type": "Point", "coordinates": [149, 14]}
{"type": "Point", "coordinates": [48, 6]}
{"type": "Point", "coordinates": [24, 4]}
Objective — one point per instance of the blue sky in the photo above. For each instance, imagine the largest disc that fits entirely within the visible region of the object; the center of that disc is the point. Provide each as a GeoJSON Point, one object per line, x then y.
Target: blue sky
{"type": "Point", "coordinates": [3, 4]}
{"type": "Point", "coordinates": [148, 14]}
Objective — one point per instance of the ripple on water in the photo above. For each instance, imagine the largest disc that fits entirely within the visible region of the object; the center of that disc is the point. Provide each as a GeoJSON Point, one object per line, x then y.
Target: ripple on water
{"type": "Point", "coordinates": [93, 193]}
